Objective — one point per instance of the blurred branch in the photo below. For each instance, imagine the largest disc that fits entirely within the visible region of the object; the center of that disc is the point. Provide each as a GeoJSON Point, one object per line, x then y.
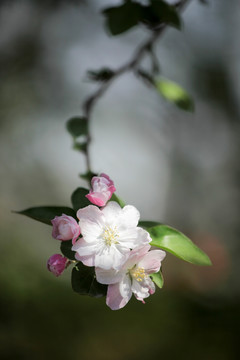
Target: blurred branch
{"type": "Point", "coordinates": [131, 65]}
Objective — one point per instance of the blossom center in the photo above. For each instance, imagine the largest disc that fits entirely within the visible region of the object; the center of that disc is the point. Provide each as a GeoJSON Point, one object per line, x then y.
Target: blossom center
{"type": "Point", "coordinates": [110, 235]}
{"type": "Point", "coordinates": [138, 274]}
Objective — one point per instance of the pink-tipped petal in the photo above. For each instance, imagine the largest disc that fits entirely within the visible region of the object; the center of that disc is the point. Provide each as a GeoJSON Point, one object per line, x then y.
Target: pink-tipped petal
{"type": "Point", "coordinates": [151, 288]}
{"type": "Point", "coordinates": [102, 190]}
{"type": "Point", "coordinates": [97, 198]}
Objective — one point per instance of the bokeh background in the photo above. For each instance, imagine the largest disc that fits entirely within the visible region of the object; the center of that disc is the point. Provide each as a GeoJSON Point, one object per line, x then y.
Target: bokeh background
{"type": "Point", "coordinates": [175, 167]}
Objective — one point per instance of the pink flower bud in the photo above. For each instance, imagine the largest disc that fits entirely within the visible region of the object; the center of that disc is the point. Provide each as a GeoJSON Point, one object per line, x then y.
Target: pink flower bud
{"type": "Point", "coordinates": [65, 228]}
{"type": "Point", "coordinates": [56, 264]}
{"type": "Point", "coordinates": [102, 190]}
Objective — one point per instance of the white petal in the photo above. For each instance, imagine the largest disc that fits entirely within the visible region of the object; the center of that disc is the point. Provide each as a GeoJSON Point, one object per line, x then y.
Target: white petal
{"type": "Point", "coordinates": [86, 260]}
{"type": "Point", "coordinates": [129, 217]}
{"type": "Point", "coordinates": [114, 298]}
{"type": "Point", "coordinates": [111, 213]}
{"type": "Point", "coordinates": [143, 236]}
{"type": "Point", "coordinates": [90, 230]}
{"type": "Point", "coordinates": [83, 248]}
{"type": "Point", "coordinates": [92, 214]}
{"type": "Point", "coordinates": [139, 290]}
{"type": "Point", "coordinates": [109, 257]}
{"type": "Point", "coordinates": [151, 262]}
{"type": "Point", "coordinates": [134, 237]}
{"type": "Point", "coordinates": [125, 287]}
{"type": "Point", "coordinates": [150, 284]}
{"type": "Point", "coordinates": [110, 276]}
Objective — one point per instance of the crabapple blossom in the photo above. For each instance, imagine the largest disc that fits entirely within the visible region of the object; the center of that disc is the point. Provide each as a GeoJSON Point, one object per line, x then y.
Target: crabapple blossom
{"type": "Point", "coordinates": [65, 228]}
{"type": "Point", "coordinates": [102, 190]}
{"type": "Point", "coordinates": [56, 264]}
{"type": "Point", "coordinates": [132, 278]}
{"type": "Point", "coordinates": [109, 234]}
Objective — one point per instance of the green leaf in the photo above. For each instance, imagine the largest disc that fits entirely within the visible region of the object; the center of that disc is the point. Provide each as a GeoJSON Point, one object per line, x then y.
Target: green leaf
{"type": "Point", "coordinates": [77, 126]}
{"type": "Point", "coordinates": [166, 13]}
{"type": "Point", "coordinates": [178, 244]}
{"type": "Point", "coordinates": [45, 214]}
{"type": "Point", "coordinates": [158, 279]}
{"type": "Point", "coordinates": [158, 13]}
{"type": "Point", "coordinates": [66, 249]}
{"type": "Point", "coordinates": [79, 199]}
{"type": "Point", "coordinates": [147, 224]}
{"type": "Point", "coordinates": [175, 94]}
{"type": "Point", "coordinates": [80, 146]}
{"type": "Point", "coordinates": [122, 18]}
{"type": "Point", "coordinates": [84, 281]}
{"type": "Point", "coordinates": [118, 200]}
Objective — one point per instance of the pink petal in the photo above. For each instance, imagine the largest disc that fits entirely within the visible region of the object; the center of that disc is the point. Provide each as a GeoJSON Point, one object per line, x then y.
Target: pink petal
{"type": "Point", "coordinates": [76, 233]}
{"type": "Point", "coordinates": [151, 262]}
{"type": "Point", "coordinates": [136, 254]}
{"type": "Point", "coordinates": [111, 189]}
{"type": "Point", "coordinates": [99, 199]}
{"type": "Point", "coordinates": [114, 298]}
{"type": "Point", "coordinates": [110, 182]}
{"type": "Point", "coordinates": [65, 228]}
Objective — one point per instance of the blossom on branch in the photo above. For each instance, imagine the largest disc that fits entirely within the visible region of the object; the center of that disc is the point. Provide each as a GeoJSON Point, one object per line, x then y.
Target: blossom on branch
{"type": "Point", "coordinates": [65, 228]}
{"type": "Point", "coordinates": [132, 278]}
{"type": "Point", "coordinates": [109, 234]}
{"type": "Point", "coordinates": [56, 264]}
{"type": "Point", "coordinates": [102, 190]}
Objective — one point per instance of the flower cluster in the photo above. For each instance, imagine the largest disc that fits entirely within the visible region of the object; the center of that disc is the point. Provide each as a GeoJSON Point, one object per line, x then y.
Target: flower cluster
{"type": "Point", "coordinates": [109, 246]}
{"type": "Point", "coordinates": [108, 238]}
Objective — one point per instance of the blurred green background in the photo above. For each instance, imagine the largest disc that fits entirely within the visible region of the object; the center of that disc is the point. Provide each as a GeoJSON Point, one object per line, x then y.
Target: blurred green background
{"type": "Point", "coordinates": [178, 168]}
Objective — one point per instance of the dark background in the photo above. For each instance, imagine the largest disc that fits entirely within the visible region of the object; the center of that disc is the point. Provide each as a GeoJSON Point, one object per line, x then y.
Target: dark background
{"type": "Point", "coordinates": [175, 167]}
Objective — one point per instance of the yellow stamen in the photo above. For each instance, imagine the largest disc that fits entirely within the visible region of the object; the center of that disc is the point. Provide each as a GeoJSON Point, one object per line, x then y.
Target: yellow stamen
{"type": "Point", "coordinates": [138, 274]}
{"type": "Point", "coordinates": [110, 235]}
